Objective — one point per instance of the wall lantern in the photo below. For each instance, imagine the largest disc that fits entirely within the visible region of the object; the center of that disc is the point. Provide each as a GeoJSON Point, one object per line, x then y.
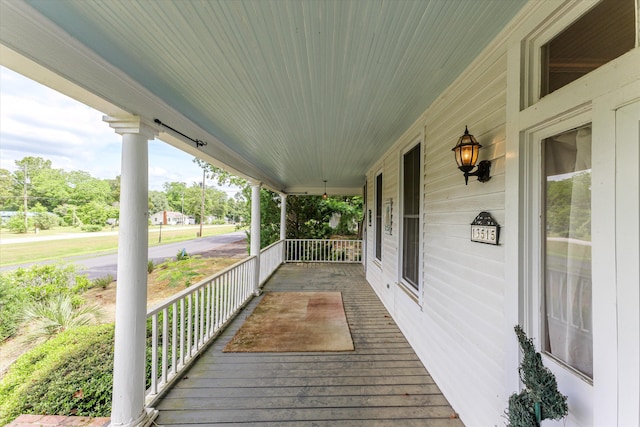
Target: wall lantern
{"type": "Point", "coordinates": [466, 154]}
{"type": "Point", "coordinates": [324, 196]}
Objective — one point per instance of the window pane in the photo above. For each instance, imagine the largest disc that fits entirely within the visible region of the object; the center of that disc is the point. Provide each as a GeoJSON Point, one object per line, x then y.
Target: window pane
{"type": "Point", "coordinates": [379, 217]}
{"type": "Point", "coordinates": [411, 216]}
{"type": "Point", "coordinates": [412, 181]}
{"type": "Point", "coordinates": [568, 331]}
{"type": "Point", "coordinates": [410, 250]}
{"type": "Point", "coordinates": [604, 33]}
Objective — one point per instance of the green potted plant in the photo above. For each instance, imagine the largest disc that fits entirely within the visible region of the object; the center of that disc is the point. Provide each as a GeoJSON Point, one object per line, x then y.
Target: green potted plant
{"type": "Point", "coordinates": [540, 398]}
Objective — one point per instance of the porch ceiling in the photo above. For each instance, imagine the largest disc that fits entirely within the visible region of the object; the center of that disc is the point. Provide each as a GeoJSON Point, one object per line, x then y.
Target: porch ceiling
{"type": "Point", "coordinates": [286, 92]}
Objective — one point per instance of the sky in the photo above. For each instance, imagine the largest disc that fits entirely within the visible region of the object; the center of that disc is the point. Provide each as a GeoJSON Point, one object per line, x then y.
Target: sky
{"type": "Point", "coordinates": [40, 122]}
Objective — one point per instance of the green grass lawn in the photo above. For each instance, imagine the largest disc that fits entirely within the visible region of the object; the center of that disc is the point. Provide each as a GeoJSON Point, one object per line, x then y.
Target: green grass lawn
{"type": "Point", "coordinates": [19, 253]}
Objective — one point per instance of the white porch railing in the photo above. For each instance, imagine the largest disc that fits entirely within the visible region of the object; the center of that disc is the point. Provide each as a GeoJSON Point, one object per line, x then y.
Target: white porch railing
{"type": "Point", "coordinates": [327, 250]}
{"type": "Point", "coordinates": [270, 259]}
{"type": "Point", "coordinates": [183, 325]}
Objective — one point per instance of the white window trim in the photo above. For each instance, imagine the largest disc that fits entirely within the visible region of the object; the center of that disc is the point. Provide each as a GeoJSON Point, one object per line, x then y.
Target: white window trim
{"type": "Point", "coordinates": [602, 91]}
{"type": "Point", "coordinates": [416, 294]}
{"type": "Point", "coordinates": [532, 281]}
{"type": "Point", "coordinates": [378, 261]}
{"type": "Point", "coordinates": [563, 17]}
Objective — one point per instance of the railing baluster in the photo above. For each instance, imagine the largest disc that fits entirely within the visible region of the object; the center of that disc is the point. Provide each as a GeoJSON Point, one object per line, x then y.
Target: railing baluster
{"type": "Point", "coordinates": [315, 250]}
{"type": "Point", "coordinates": [189, 324]}
{"type": "Point", "coordinates": [154, 353]}
{"type": "Point", "coordinates": [202, 331]}
{"type": "Point", "coordinates": [174, 338]}
{"type": "Point", "coordinates": [218, 303]}
{"type": "Point", "coordinates": [165, 343]}
{"type": "Point", "coordinates": [182, 331]}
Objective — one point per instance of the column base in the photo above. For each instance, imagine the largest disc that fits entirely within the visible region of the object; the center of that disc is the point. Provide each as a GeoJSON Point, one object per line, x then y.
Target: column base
{"type": "Point", "coordinates": [146, 419]}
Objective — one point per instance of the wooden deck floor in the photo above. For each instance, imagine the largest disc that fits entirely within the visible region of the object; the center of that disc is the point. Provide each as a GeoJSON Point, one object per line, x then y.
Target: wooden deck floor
{"type": "Point", "coordinates": [381, 383]}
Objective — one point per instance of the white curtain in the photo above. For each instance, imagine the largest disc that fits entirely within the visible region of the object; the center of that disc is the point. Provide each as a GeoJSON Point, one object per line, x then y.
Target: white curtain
{"type": "Point", "coordinates": [568, 251]}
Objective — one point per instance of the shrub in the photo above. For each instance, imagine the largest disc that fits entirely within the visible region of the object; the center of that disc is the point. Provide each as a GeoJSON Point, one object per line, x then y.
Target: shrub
{"type": "Point", "coordinates": [150, 266]}
{"type": "Point", "coordinates": [102, 282]}
{"type": "Point", "coordinates": [180, 271]}
{"type": "Point", "coordinates": [46, 220]}
{"type": "Point", "coordinates": [91, 228]}
{"type": "Point", "coordinates": [57, 314]}
{"type": "Point", "coordinates": [182, 255]}
{"type": "Point", "coordinates": [12, 300]}
{"type": "Point", "coordinates": [44, 281]}
{"type": "Point", "coordinates": [540, 399]}
{"type": "Point", "coordinates": [70, 374]}
{"type": "Point", "coordinates": [16, 223]}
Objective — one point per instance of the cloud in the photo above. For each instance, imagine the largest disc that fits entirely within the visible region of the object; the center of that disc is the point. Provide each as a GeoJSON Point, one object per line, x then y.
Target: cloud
{"type": "Point", "coordinates": [40, 122]}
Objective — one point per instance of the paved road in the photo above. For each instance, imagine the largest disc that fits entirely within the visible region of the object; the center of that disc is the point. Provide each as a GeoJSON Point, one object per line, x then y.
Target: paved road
{"type": "Point", "coordinates": [100, 266]}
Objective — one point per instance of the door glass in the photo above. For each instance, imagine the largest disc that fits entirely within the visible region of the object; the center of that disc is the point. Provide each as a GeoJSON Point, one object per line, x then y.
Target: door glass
{"type": "Point", "coordinates": [567, 289]}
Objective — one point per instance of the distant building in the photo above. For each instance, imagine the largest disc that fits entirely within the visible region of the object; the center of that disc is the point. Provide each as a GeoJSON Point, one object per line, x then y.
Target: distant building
{"type": "Point", "coordinates": [170, 218]}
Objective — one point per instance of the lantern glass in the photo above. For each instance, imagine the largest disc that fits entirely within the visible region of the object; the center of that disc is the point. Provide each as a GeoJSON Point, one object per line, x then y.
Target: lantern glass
{"type": "Point", "coordinates": [466, 151]}
{"type": "Point", "coordinates": [468, 155]}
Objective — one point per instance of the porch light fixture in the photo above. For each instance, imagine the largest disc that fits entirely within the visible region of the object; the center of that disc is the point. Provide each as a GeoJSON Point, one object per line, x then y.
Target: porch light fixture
{"type": "Point", "coordinates": [324, 196]}
{"type": "Point", "coordinates": [466, 154]}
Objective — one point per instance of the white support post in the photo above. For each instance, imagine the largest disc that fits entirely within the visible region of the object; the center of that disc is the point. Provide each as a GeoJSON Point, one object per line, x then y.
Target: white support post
{"type": "Point", "coordinates": [283, 225]}
{"type": "Point", "coordinates": [255, 233]}
{"type": "Point", "coordinates": [128, 404]}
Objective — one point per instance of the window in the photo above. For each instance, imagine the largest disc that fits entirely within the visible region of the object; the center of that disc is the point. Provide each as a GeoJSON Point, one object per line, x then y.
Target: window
{"type": "Point", "coordinates": [411, 216]}
{"type": "Point", "coordinates": [378, 202]}
{"type": "Point", "coordinates": [567, 317]}
{"type": "Point", "coordinates": [604, 33]}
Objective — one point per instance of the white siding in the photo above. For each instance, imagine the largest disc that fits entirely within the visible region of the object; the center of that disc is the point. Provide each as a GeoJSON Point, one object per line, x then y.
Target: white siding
{"type": "Point", "coordinates": [472, 294]}
{"type": "Point", "coordinates": [459, 330]}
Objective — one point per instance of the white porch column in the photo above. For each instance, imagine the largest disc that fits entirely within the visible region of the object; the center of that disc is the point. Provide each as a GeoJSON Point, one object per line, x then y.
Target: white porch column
{"type": "Point", "coordinates": [283, 216]}
{"type": "Point", "coordinates": [283, 225]}
{"type": "Point", "coordinates": [131, 293]}
{"type": "Point", "coordinates": [255, 232]}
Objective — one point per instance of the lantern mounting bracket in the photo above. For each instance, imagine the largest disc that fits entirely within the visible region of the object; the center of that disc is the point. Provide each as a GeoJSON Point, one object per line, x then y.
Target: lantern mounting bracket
{"type": "Point", "coordinates": [482, 172]}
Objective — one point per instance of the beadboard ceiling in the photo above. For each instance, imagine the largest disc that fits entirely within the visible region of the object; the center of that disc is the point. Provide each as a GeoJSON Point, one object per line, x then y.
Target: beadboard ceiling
{"type": "Point", "coordinates": [288, 92]}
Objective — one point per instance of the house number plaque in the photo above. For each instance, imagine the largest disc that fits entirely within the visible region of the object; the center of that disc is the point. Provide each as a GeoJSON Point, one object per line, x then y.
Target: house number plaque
{"type": "Point", "coordinates": [485, 229]}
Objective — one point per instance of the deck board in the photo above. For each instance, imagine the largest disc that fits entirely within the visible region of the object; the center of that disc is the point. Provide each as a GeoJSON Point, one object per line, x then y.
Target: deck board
{"type": "Point", "coordinates": [381, 383]}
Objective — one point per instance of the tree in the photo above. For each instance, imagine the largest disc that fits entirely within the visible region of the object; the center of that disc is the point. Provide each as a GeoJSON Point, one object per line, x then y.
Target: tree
{"type": "Point", "coordinates": [175, 195]}
{"type": "Point", "coordinates": [48, 187]}
{"type": "Point", "coordinates": [350, 211]}
{"type": "Point", "coordinates": [308, 217]}
{"type": "Point", "coordinates": [68, 214]}
{"type": "Point", "coordinates": [16, 222]}
{"type": "Point", "coordinates": [569, 207]}
{"type": "Point", "coordinates": [236, 208]}
{"type": "Point", "coordinates": [6, 192]}
{"type": "Point", "coordinates": [215, 203]}
{"type": "Point", "coordinates": [44, 220]}
{"type": "Point", "coordinates": [269, 216]}
{"type": "Point", "coordinates": [158, 202]}
{"type": "Point", "coordinates": [220, 176]}
{"type": "Point", "coordinates": [96, 213]}
{"type": "Point", "coordinates": [86, 188]}
{"type": "Point", "coordinates": [114, 185]}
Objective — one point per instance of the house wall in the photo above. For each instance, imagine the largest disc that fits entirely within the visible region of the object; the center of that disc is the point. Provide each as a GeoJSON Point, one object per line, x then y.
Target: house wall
{"type": "Point", "coordinates": [461, 321]}
{"type": "Point", "coordinates": [458, 330]}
